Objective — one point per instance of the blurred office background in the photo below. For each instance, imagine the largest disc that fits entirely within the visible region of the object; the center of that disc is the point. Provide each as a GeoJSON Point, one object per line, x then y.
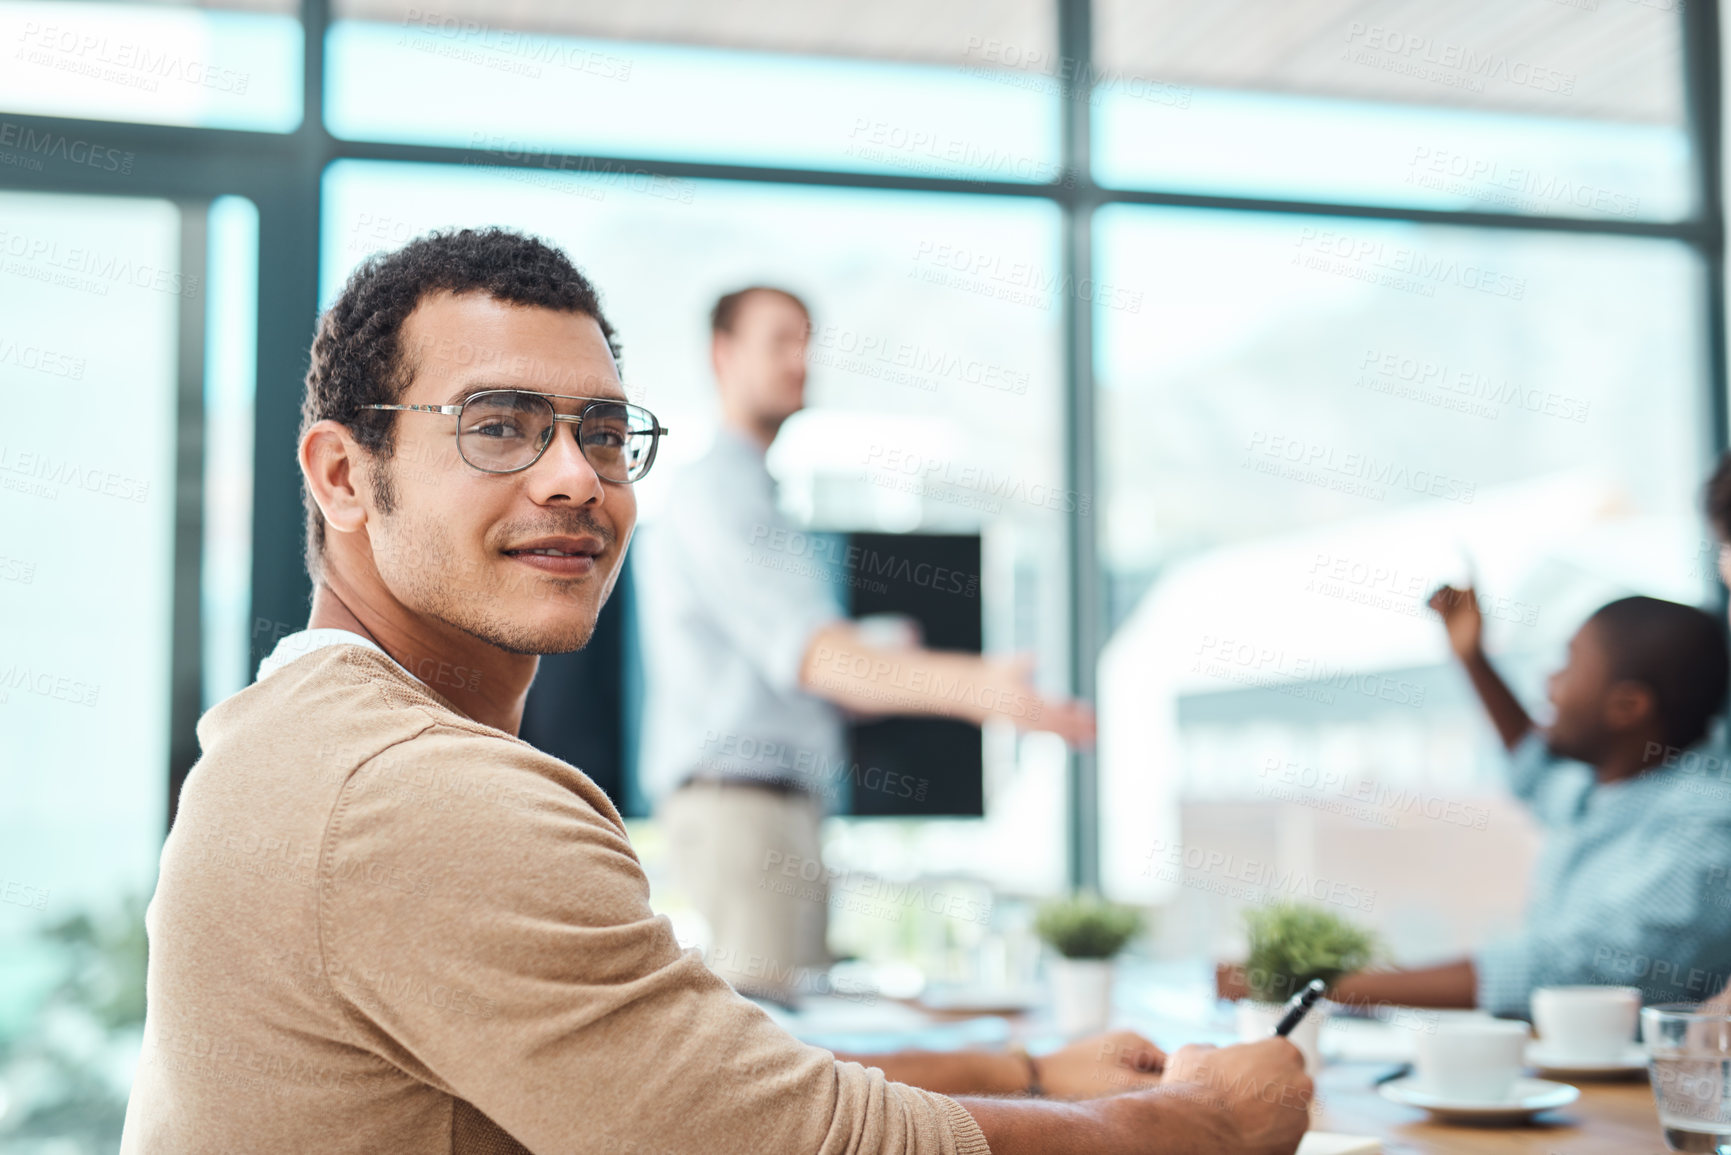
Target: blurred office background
{"type": "Point", "coordinates": [1230, 328]}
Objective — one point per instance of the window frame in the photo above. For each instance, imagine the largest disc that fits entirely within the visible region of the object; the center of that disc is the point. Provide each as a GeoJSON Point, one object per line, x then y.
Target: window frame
{"type": "Point", "coordinates": [282, 175]}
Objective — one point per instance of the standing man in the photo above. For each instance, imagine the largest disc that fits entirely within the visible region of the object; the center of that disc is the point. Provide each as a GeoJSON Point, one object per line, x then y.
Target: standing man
{"type": "Point", "coordinates": [384, 923]}
{"type": "Point", "coordinates": [750, 665]}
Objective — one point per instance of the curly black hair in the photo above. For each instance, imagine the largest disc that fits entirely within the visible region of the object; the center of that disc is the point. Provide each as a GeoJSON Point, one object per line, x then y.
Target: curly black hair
{"type": "Point", "coordinates": [1677, 651]}
{"type": "Point", "coordinates": [357, 354]}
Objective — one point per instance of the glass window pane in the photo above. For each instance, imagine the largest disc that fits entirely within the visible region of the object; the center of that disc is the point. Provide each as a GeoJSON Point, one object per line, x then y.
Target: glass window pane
{"type": "Point", "coordinates": [929, 31]}
{"type": "Point", "coordinates": [87, 518]}
{"type": "Point", "coordinates": [773, 96]}
{"type": "Point", "coordinates": [152, 64]}
{"type": "Point", "coordinates": [1549, 109]}
{"type": "Point", "coordinates": [230, 368]}
{"type": "Point", "coordinates": [934, 403]}
{"type": "Point", "coordinates": [1329, 419]}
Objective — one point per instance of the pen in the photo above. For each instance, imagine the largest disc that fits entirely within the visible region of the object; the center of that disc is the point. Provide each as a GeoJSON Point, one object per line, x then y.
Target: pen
{"type": "Point", "coordinates": [1399, 1072]}
{"type": "Point", "coordinates": [1299, 1006]}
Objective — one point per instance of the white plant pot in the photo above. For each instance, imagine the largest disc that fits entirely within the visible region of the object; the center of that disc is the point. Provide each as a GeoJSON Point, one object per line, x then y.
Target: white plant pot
{"type": "Point", "coordinates": [1257, 1021]}
{"type": "Point", "coordinates": [1081, 995]}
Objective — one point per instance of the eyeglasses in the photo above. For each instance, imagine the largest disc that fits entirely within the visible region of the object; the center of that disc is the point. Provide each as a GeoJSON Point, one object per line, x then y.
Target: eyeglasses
{"type": "Point", "coordinates": [507, 431]}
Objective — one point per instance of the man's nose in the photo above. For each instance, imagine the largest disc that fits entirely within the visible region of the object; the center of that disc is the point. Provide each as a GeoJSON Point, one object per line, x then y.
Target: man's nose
{"type": "Point", "coordinates": [563, 469]}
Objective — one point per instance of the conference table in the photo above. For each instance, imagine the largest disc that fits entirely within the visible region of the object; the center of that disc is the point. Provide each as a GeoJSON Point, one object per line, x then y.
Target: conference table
{"type": "Point", "coordinates": [1610, 1118]}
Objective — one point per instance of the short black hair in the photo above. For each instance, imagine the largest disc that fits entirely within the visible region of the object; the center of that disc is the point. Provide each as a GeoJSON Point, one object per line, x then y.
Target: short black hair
{"type": "Point", "coordinates": [1678, 652]}
{"type": "Point", "coordinates": [726, 312]}
{"type": "Point", "coordinates": [358, 359]}
{"type": "Point", "coordinates": [1719, 498]}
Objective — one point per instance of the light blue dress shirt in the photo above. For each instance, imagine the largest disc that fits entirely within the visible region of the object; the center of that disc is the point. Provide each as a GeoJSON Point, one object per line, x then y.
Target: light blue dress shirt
{"type": "Point", "coordinates": [1632, 886]}
{"type": "Point", "coordinates": [729, 595]}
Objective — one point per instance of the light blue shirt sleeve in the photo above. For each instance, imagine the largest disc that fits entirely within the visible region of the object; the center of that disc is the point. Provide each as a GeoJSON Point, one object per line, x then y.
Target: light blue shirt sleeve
{"type": "Point", "coordinates": [1655, 916]}
{"type": "Point", "coordinates": [1503, 969]}
{"type": "Point", "coordinates": [1553, 788]}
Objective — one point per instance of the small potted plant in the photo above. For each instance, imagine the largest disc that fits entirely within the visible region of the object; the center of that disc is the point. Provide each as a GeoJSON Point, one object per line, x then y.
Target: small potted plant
{"type": "Point", "coordinates": [1087, 933]}
{"type": "Point", "coordinates": [1292, 943]}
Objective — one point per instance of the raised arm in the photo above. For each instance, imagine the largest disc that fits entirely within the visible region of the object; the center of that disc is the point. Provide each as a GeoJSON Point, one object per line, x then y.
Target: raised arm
{"type": "Point", "coordinates": [1459, 609]}
{"type": "Point", "coordinates": [843, 667]}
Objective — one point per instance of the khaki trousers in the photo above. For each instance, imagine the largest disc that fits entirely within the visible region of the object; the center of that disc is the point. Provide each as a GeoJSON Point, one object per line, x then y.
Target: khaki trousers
{"type": "Point", "coordinates": [752, 861]}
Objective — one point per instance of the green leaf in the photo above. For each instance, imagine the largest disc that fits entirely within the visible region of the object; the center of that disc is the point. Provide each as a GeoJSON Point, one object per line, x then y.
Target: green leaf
{"type": "Point", "coordinates": [1292, 943]}
{"type": "Point", "coordinates": [1086, 927]}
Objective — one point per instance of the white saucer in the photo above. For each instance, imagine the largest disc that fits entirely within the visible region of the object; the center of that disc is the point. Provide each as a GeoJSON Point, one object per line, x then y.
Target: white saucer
{"type": "Point", "coordinates": [1539, 1058]}
{"type": "Point", "coordinates": [1526, 1098]}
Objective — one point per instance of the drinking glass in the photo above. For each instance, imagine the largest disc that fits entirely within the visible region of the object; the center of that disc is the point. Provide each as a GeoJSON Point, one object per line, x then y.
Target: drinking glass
{"type": "Point", "coordinates": [1689, 1062]}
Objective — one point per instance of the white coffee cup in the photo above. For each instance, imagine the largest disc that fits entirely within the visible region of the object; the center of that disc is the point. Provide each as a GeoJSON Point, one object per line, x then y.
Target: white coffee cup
{"type": "Point", "coordinates": [1470, 1060]}
{"type": "Point", "coordinates": [1587, 1024]}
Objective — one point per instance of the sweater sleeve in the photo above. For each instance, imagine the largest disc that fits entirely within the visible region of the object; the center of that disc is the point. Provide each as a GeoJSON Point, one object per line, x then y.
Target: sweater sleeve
{"type": "Point", "coordinates": [504, 952]}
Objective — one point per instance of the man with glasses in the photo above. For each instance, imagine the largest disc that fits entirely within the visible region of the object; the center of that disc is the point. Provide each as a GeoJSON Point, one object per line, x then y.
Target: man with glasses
{"type": "Point", "coordinates": [749, 664]}
{"type": "Point", "coordinates": [383, 923]}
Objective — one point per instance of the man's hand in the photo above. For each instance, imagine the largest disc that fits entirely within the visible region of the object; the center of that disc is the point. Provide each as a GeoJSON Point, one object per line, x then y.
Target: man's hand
{"type": "Point", "coordinates": [1466, 627]}
{"type": "Point", "coordinates": [1261, 1089]}
{"type": "Point", "coordinates": [1252, 1099]}
{"type": "Point", "coordinates": [1459, 610]}
{"type": "Point", "coordinates": [1107, 1064]}
{"type": "Point", "coordinates": [1012, 696]}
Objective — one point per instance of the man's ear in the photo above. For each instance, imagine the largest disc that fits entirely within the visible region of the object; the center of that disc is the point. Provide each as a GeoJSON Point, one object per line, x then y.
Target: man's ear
{"type": "Point", "coordinates": [1630, 704]}
{"type": "Point", "coordinates": [718, 354]}
{"type": "Point", "coordinates": [331, 462]}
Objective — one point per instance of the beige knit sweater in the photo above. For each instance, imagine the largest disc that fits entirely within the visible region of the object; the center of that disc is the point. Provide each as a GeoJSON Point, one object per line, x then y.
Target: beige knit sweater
{"type": "Point", "coordinates": [381, 926]}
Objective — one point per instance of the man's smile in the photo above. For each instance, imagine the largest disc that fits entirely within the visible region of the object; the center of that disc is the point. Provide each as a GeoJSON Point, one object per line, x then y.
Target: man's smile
{"type": "Point", "coordinates": [559, 556]}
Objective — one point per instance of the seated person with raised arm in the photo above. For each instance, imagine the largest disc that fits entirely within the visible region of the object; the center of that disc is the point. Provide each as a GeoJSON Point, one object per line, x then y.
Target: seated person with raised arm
{"type": "Point", "coordinates": [384, 923]}
{"type": "Point", "coordinates": [1631, 887]}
